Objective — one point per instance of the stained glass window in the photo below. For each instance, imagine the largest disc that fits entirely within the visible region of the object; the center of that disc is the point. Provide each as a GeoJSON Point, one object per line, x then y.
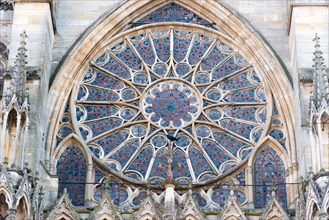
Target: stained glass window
{"type": "Point", "coordinates": [71, 172]}
{"type": "Point", "coordinates": [269, 172]}
{"type": "Point", "coordinates": [169, 13]}
{"type": "Point", "coordinates": [167, 94]}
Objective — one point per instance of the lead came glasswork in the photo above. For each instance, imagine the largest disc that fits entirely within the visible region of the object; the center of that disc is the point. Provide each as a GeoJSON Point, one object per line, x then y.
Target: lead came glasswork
{"type": "Point", "coordinates": [269, 172]}
{"type": "Point", "coordinates": [167, 81]}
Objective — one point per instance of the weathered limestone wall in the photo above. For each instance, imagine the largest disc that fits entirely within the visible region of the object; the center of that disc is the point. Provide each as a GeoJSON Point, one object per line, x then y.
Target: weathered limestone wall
{"type": "Point", "coordinates": [35, 19]}
{"type": "Point", "coordinates": [306, 20]}
{"type": "Point", "coordinates": [72, 17]}
{"type": "Point", "coordinates": [270, 18]}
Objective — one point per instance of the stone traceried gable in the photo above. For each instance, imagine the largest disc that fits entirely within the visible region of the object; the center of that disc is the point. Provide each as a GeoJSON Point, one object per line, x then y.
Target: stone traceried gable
{"type": "Point", "coordinates": [63, 209]}
{"type": "Point", "coordinates": [232, 210]}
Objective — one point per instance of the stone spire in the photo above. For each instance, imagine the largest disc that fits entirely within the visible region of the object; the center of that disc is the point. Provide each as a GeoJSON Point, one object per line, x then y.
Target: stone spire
{"type": "Point", "coordinates": [16, 93]}
{"type": "Point", "coordinates": [320, 96]}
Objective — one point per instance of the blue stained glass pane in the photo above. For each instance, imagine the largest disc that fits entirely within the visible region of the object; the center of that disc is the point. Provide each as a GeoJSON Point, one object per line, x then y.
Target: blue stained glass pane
{"type": "Point", "coordinates": [277, 134]}
{"type": "Point", "coordinates": [98, 175]}
{"type": "Point", "coordinates": [100, 126]}
{"type": "Point", "coordinates": [100, 111]}
{"type": "Point", "coordinates": [245, 152]}
{"type": "Point", "coordinates": [268, 170]}
{"type": "Point", "coordinates": [222, 193]}
{"type": "Point", "coordinates": [145, 50]}
{"type": "Point", "coordinates": [102, 58]}
{"type": "Point", "coordinates": [225, 69]}
{"type": "Point", "coordinates": [181, 47]}
{"type": "Point", "coordinates": [171, 105]}
{"type": "Point", "coordinates": [97, 94]}
{"type": "Point", "coordinates": [63, 132]}
{"type": "Point", "coordinates": [276, 122]}
{"type": "Point", "coordinates": [241, 197]}
{"type": "Point", "coordinates": [71, 172]}
{"type": "Point", "coordinates": [213, 59]}
{"type": "Point", "coordinates": [236, 82]}
{"type": "Point", "coordinates": [198, 162]}
{"type": "Point", "coordinates": [82, 93]}
{"type": "Point", "coordinates": [128, 94]}
{"type": "Point", "coordinates": [80, 113]}
{"type": "Point", "coordinates": [160, 69]}
{"type": "Point", "coordinates": [275, 110]}
{"type": "Point", "coordinates": [159, 141]}
{"type": "Point", "coordinates": [199, 200]}
{"type": "Point", "coordinates": [142, 161]}
{"type": "Point", "coordinates": [162, 48]}
{"type": "Point", "coordinates": [160, 165]}
{"type": "Point", "coordinates": [254, 76]}
{"type": "Point", "coordinates": [141, 78]}
{"type": "Point", "coordinates": [170, 13]}
{"type": "Point", "coordinates": [241, 177]}
{"type": "Point", "coordinates": [139, 199]}
{"type": "Point", "coordinates": [202, 78]}
{"type": "Point", "coordinates": [125, 152]}
{"type": "Point", "coordinates": [244, 113]}
{"type": "Point", "coordinates": [113, 140]}
{"type": "Point", "coordinates": [116, 68]}
{"type": "Point", "coordinates": [214, 114]}
{"type": "Point", "coordinates": [197, 51]}
{"type": "Point", "coordinates": [228, 142]}
{"type": "Point", "coordinates": [262, 115]}
{"type": "Point", "coordinates": [217, 155]}
{"type": "Point", "coordinates": [116, 191]}
{"type": "Point", "coordinates": [247, 95]}
{"type": "Point", "coordinates": [182, 69]}
{"type": "Point", "coordinates": [89, 75]}
{"type": "Point", "coordinates": [128, 57]}
{"type": "Point", "coordinates": [239, 128]}
{"type": "Point", "coordinates": [106, 81]}
{"type": "Point", "coordinates": [179, 165]}
{"type": "Point", "coordinates": [84, 133]}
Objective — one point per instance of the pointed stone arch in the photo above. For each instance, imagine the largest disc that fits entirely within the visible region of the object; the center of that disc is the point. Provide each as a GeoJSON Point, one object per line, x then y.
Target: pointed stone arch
{"type": "Point", "coordinates": [273, 145]}
{"type": "Point", "coordinates": [96, 36]}
{"type": "Point", "coordinates": [73, 141]}
{"type": "Point", "coordinates": [275, 211]}
{"type": "Point", "coordinates": [22, 209]}
{"type": "Point", "coordinates": [63, 209]}
{"type": "Point", "coordinates": [72, 138]}
{"type": "Point", "coordinates": [4, 204]}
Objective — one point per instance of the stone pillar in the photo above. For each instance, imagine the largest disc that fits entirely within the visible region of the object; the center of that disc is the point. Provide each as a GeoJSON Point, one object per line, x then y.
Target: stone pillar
{"type": "Point", "coordinates": [12, 214]}
{"type": "Point", "coordinates": [17, 137]}
{"type": "Point", "coordinates": [35, 19]}
{"type": "Point", "coordinates": [3, 136]}
{"type": "Point", "coordinates": [169, 209]}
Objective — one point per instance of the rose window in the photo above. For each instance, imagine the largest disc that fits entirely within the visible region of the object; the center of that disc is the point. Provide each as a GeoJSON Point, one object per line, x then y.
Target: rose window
{"type": "Point", "coordinates": [162, 101]}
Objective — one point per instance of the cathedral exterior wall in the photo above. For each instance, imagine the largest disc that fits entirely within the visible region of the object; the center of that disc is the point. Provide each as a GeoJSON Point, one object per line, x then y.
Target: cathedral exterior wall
{"type": "Point", "coordinates": [64, 33]}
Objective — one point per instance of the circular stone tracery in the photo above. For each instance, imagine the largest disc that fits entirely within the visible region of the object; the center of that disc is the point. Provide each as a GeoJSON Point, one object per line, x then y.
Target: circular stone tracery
{"type": "Point", "coordinates": [171, 104]}
{"type": "Point", "coordinates": [206, 96]}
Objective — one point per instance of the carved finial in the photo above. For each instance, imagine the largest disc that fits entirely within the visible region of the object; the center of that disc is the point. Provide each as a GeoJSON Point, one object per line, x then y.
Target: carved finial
{"type": "Point", "coordinates": [320, 94]}
{"type": "Point", "coordinates": [231, 187]}
{"type": "Point", "coordinates": [16, 93]}
{"type": "Point", "coordinates": [5, 163]}
{"type": "Point", "coordinates": [273, 189]}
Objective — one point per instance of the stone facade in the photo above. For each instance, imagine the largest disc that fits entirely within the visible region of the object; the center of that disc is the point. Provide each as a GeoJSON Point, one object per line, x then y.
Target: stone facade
{"type": "Point", "coordinates": [46, 51]}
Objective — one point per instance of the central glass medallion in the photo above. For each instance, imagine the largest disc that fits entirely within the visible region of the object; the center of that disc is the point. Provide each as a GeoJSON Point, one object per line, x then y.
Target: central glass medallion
{"type": "Point", "coordinates": [171, 104]}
